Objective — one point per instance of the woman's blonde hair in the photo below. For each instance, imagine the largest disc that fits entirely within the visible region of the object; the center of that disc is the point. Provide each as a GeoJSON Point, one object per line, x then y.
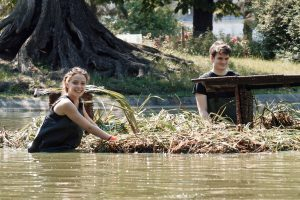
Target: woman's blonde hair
{"type": "Point", "coordinates": [72, 72]}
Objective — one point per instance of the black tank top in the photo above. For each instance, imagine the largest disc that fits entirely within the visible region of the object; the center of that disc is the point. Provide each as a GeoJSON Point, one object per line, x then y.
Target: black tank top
{"type": "Point", "coordinates": [58, 132]}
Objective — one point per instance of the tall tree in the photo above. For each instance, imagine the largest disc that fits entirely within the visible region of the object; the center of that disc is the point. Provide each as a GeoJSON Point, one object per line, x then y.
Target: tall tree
{"type": "Point", "coordinates": [65, 33]}
{"type": "Point", "coordinates": [249, 18]}
{"type": "Point", "coordinates": [203, 11]}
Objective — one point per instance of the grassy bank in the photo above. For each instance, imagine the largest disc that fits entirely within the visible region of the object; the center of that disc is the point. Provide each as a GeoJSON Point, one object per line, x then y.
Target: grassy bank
{"type": "Point", "coordinates": [245, 66]}
{"type": "Point", "coordinates": [168, 78]}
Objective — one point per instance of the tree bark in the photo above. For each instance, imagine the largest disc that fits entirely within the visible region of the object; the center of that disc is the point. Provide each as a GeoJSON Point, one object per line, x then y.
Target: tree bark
{"type": "Point", "coordinates": [248, 21]}
{"type": "Point", "coordinates": [65, 33]}
{"type": "Point", "coordinates": [203, 18]}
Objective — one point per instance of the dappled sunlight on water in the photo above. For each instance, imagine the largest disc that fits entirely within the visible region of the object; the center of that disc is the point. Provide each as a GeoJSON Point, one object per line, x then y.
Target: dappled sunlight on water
{"type": "Point", "coordinates": [149, 176]}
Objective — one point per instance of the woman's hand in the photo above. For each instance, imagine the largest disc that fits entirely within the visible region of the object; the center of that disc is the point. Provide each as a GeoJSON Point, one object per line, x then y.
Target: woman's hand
{"type": "Point", "coordinates": [112, 138]}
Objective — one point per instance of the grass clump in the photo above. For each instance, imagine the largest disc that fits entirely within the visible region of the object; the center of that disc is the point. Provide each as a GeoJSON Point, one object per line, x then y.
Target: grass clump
{"type": "Point", "coordinates": [275, 129]}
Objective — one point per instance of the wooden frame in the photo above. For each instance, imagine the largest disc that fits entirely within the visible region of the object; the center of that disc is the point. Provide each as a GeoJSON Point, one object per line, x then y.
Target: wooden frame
{"type": "Point", "coordinates": [242, 86]}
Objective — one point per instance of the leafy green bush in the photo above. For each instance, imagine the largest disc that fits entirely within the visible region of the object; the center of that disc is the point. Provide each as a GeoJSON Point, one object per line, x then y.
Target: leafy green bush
{"type": "Point", "coordinates": [278, 22]}
{"type": "Point", "coordinates": [244, 48]}
{"type": "Point", "coordinates": [201, 45]}
{"type": "Point", "coordinates": [160, 21]}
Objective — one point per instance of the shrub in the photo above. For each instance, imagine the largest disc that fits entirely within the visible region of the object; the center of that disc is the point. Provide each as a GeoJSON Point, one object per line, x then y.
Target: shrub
{"type": "Point", "coordinates": [158, 22]}
{"type": "Point", "coordinates": [278, 22]}
{"type": "Point", "coordinates": [201, 45]}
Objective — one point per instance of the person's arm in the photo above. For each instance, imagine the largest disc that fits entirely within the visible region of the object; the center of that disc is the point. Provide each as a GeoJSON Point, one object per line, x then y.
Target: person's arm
{"type": "Point", "coordinates": [201, 100]}
{"type": "Point", "coordinates": [66, 107]}
{"type": "Point", "coordinates": [112, 138]}
{"type": "Point", "coordinates": [87, 116]}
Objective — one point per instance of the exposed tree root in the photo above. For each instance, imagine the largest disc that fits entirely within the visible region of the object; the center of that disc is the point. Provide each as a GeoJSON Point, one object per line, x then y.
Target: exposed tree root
{"type": "Point", "coordinates": [62, 34]}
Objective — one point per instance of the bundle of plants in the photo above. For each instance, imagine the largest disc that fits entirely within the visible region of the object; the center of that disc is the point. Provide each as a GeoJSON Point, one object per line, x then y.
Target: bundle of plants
{"type": "Point", "coordinates": [186, 132]}
{"type": "Point", "coordinates": [282, 115]}
{"type": "Point", "coordinates": [180, 131]}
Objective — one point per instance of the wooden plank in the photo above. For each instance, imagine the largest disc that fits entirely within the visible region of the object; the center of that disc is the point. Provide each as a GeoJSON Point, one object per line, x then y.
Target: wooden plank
{"type": "Point", "coordinates": [238, 105]}
{"type": "Point", "coordinates": [242, 86]}
{"type": "Point", "coordinates": [256, 81]}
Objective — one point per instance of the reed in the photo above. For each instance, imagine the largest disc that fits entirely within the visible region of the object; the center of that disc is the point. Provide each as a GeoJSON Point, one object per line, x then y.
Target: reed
{"type": "Point", "coordinates": [186, 132]}
{"type": "Point", "coordinates": [123, 104]}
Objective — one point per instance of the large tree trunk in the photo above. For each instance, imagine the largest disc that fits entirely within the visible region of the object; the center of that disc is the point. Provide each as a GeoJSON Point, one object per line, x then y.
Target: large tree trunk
{"type": "Point", "coordinates": [249, 20]}
{"type": "Point", "coordinates": [65, 33]}
{"type": "Point", "coordinates": [203, 18]}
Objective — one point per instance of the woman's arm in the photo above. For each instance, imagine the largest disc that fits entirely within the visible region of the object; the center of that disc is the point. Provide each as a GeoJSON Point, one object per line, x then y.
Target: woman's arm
{"type": "Point", "coordinates": [87, 116]}
{"type": "Point", "coordinates": [201, 100]}
{"type": "Point", "coordinates": [66, 107]}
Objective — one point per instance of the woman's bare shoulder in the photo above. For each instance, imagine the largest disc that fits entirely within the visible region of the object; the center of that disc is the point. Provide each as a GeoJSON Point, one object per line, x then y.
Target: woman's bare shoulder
{"type": "Point", "coordinates": [63, 106]}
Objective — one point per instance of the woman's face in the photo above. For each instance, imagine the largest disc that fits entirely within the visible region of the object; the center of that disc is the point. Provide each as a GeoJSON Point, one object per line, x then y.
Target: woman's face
{"type": "Point", "coordinates": [76, 85]}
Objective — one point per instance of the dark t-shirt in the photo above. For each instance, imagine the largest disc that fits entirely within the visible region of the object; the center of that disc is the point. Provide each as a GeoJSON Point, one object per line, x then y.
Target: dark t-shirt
{"type": "Point", "coordinates": [220, 102]}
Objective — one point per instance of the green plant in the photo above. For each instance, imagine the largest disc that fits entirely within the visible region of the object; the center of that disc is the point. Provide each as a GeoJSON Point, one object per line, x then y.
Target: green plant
{"type": "Point", "coordinates": [200, 45]}
{"type": "Point", "coordinates": [160, 21]}
{"type": "Point", "coordinates": [278, 22]}
{"type": "Point", "coordinates": [107, 121]}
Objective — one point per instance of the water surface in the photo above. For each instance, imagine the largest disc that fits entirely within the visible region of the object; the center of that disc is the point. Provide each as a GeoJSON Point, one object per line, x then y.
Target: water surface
{"type": "Point", "coordinates": [11, 119]}
{"type": "Point", "coordinates": [17, 119]}
{"type": "Point", "coordinates": [148, 176]}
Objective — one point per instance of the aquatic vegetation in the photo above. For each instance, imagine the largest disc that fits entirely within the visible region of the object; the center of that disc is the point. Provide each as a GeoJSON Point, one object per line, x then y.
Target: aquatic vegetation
{"type": "Point", "coordinates": [184, 132]}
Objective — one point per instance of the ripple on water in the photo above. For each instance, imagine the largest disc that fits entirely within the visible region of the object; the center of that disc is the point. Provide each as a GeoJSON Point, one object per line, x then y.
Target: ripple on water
{"type": "Point", "coordinates": [153, 176]}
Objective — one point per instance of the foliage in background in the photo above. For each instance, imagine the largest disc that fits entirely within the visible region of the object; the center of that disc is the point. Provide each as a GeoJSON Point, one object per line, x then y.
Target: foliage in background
{"type": "Point", "coordinates": [6, 6]}
{"type": "Point", "coordinates": [278, 22]}
{"type": "Point", "coordinates": [200, 45]}
{"type": "Point", "coordinates": [203, 11]}
{"type": "Point", "coordinates": [13, 82]}
{"type": "Point", "coordinates": [165, 80]}
{"type": "Point", "coordinates": [158, 22]}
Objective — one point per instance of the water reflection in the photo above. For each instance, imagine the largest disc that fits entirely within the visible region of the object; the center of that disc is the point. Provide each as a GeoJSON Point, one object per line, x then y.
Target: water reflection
{"type": "Point", "coordinates": [149, 176]}
{"type": "Point", "coordinates": [16, 119]}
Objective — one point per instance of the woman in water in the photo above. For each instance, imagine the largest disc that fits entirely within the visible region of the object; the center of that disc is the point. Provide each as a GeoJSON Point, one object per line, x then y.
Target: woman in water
{"type": "Point", "coordinates": [63, 126]}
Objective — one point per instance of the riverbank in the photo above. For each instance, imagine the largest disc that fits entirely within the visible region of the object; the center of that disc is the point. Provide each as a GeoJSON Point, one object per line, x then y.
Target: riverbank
{"type": "Point", "coordinates": [41, 103]}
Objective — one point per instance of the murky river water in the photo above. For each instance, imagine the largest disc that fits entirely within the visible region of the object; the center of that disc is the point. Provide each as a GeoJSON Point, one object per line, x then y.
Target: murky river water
{"type": "Point", "coordinates": [143, 176]}
{"type": "Point", "coordinates": [13, 120]}
{"type": "Point", "coordinates": [16, 119]}
{"type": "Point", "coordinates": [148, 176]}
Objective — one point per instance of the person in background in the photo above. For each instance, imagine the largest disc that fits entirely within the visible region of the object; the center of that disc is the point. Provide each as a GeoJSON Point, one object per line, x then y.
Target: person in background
{"type": "Point", "coordinates": [220, 102]}
{"type": "Point", "coordinates": [63, 126]}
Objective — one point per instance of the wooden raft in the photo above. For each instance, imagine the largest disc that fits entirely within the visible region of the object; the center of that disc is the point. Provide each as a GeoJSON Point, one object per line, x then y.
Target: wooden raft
{"type": "Point", "coordinates": [242, 86]}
